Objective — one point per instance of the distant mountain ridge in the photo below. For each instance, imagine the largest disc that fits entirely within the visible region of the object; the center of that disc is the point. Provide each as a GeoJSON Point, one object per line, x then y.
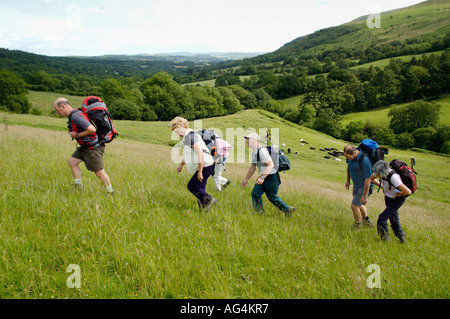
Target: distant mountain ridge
{"type": "Point", "coordinates": [180, 57]}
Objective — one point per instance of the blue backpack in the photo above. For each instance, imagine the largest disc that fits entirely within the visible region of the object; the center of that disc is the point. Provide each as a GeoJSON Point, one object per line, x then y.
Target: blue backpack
{"type": "Point", "coordinates": [371, 149]}
{"type": "Point", "coordinates": [280, 161]}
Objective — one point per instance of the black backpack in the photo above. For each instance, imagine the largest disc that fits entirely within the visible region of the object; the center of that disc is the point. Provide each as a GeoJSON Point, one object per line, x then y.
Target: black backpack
{"type": "Point", "coordinates": [280, 161]}
{"type": "Point", "coordinates": [99, 116]}
{"type": "Point", "coordinates": [209, 137]}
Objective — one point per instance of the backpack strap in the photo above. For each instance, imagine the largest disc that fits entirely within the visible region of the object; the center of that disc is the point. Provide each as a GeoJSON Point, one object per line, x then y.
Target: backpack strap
{"type": "Point", "coordinates": [361, 158]}
{"type": "Point", "coordinates": [257, 154]}
{"type": "Point", "coordinates": [388, 179]}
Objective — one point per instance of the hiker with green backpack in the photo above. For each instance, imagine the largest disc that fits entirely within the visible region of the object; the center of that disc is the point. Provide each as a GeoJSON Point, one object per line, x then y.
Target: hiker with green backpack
{"type": "Point", "coordinates": [269, 179]}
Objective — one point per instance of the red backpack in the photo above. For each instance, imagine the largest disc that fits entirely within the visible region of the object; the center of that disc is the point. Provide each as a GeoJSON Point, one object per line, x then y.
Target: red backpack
{"type": "Point", "coordinates": [98, 114]}
{"type": "Point", "coordinates": [407, 174]}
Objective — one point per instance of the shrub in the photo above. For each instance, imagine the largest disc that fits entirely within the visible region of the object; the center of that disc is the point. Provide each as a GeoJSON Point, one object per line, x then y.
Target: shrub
{"type": "Point", "coordinates": [424, 137]}
{"type": "Point", "coordinates": [404, 141]}
{"type": "Point", "coordinates": [125, 110]}
{"type": "Point", "coordinates": [13, 93]}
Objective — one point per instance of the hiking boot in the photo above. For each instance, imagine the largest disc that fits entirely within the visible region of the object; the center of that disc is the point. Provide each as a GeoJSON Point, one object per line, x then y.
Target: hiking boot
{"type": "Point", "coordinates": [366, 222]}
{"type": "Point", "coordinates": [357, 225]}
{"type": "Point", "coordinates": [200, 204]}
{"type": "Point", "coordinates": [77, 187]}
{"type": "Point", "coordinates": [209, 204]}
{"type": "Point", "coordinates": [289, 212]}
{"type": "Point", "coordinates": [226, 184]}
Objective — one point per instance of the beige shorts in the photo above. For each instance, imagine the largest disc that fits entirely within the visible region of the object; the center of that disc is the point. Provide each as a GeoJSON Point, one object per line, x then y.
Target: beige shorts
{"type": "Point", "coordinates": [92, 158]}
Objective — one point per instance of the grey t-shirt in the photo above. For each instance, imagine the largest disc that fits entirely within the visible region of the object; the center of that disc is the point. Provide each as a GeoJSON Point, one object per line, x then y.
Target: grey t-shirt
{"type": "Point", "coordinates": [263, 155]}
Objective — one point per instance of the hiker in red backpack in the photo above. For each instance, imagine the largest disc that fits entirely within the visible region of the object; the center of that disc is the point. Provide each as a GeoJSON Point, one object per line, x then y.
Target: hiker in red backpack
{"type": "Point", "coordinates": [90, 150]}
{"type": "Point", "coordinates": [395, 193]}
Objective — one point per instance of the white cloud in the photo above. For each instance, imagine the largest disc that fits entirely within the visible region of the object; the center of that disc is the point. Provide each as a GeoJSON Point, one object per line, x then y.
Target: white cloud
{"type": "Point", "coordinates": [65, 27]}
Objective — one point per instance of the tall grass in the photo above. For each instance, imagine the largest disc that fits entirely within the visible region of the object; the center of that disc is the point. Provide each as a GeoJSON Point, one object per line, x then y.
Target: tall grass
{"type": "Point", "coordinates": [150, 240]}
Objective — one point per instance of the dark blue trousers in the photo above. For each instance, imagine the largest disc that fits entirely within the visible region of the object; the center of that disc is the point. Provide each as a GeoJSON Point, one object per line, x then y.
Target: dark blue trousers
{"type": "Point", "coordinates": [270, 187]}
{"type": "Point", "coordinates": [197, 188]}
{"type": "Point", "coordinates": [391, 214]}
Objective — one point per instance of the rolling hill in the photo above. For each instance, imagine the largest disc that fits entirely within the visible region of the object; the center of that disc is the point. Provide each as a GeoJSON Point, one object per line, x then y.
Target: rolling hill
{"type": "Point", "coordinates": [149, 241]}
{"type": "Point", "coordinates": [416, 29]}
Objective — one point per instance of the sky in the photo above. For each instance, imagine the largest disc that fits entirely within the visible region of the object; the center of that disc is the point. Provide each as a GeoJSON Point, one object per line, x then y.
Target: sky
{"type": "Point", "coordinates": [100, 27]}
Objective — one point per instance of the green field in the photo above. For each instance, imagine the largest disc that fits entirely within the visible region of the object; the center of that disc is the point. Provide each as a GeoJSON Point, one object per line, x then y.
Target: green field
{"type": "Point", "coordinates": [381, 115]}
{"type": "Point", "coordinates": [150, 241]}
{"type": "Point", "coordinates": [385, 62]}
{"type": "Point", "coordinates": [378, 115]}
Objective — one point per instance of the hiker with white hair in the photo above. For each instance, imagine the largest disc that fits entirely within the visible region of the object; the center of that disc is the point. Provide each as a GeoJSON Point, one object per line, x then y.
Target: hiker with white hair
{"type": "Point", "coordinates": [395, 193]}
{"type": "Point", "coordinates": [269, 179]}
{"type": "Point", "coordinates": [198, 161]}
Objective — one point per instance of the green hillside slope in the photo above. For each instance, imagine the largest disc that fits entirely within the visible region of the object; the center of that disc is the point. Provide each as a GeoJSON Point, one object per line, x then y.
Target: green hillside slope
{"type": "Point", "coordinates": [150, 241]}
{"type": "Point", "coordinates": [427, 20]}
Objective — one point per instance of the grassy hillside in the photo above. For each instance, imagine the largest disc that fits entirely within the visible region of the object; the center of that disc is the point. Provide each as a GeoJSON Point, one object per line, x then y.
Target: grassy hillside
{"type": "Point", "coordinates": [149, 241]}
{"type": "Point", "coordinates": [422, 21]}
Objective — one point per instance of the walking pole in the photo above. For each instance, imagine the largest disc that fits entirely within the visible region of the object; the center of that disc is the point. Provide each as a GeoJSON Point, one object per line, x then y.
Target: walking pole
{"type": "Point", "coordinates": [413, 162]}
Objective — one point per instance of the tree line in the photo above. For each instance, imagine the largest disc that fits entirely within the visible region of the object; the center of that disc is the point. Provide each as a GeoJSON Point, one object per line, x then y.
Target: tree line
{"type": "Point", "coordinates": [159, 97]}
{"type": "Point", "coordinates": [325, 98]}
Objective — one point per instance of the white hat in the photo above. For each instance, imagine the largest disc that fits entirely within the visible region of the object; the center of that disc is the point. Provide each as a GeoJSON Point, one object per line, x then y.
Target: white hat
{"type": "Point", "coordinates": [253, 135]}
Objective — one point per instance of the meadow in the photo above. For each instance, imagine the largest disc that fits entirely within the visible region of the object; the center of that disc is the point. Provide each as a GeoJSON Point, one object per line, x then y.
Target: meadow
{"type": "Point", "coordinates": [150, 240]}
{"type": "Point", "coordinates": [381, 115]}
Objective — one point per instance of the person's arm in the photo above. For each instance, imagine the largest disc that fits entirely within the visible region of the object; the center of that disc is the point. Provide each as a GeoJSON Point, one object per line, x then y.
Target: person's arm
{"type": "Point", "coordinates": [367, 182]}
{"type": "Point", "coordinates": [367, 171]}
{"type": "Point", "coordinates": [405, 191]}
{"type": "Point", "coordinates": [180, 167]}
{"type": "Point", "coordinates": [89, 131]}
{"type": "Point", "coordinates": [250, 172]}
{"type": "Point", "coordinates": [269, 167]}
{"type": "Point", "coordinates": [347, 183]}
{"type": "Point", "coordinates": [365, 195]}
{"type": "Point", "coordinates": [198, 149]}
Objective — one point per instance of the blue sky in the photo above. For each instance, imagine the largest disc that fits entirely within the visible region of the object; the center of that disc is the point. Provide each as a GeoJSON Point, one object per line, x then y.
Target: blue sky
{"type": "Point", "coordinates": [91, 27]}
